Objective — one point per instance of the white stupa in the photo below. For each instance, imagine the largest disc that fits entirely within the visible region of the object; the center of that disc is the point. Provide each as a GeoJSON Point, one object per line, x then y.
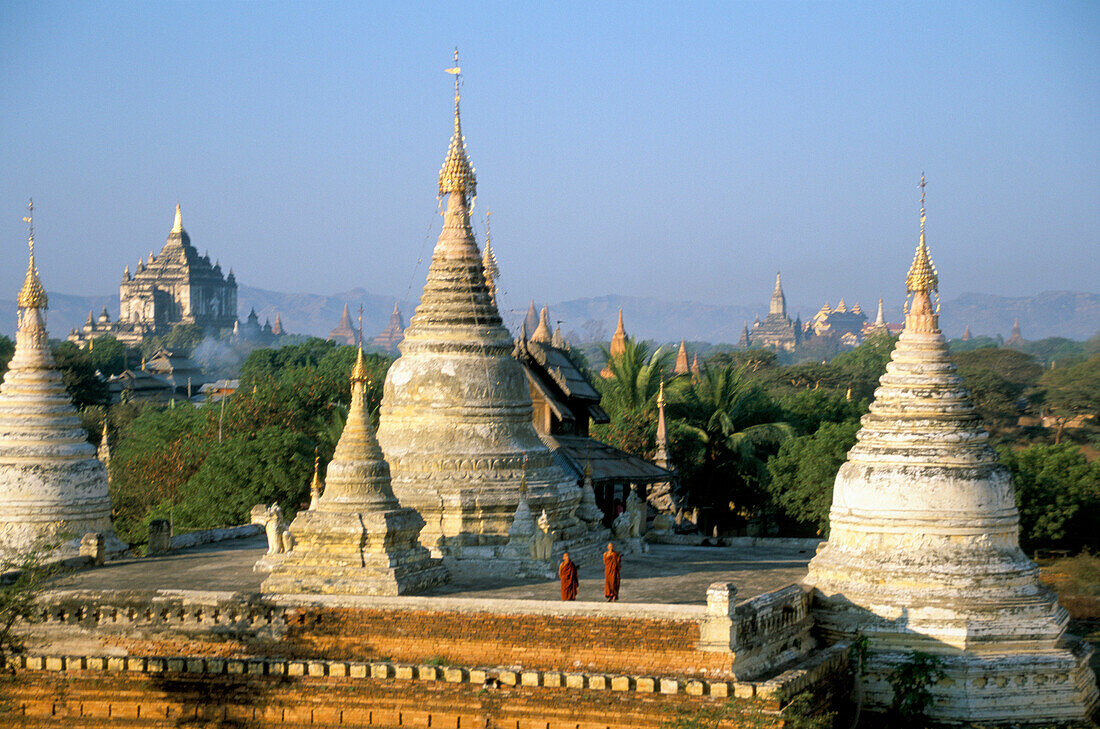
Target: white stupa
{"type": "Point", "coordinates": [923, 553]}
{"type": "Point", "coordinates": [53, 489]}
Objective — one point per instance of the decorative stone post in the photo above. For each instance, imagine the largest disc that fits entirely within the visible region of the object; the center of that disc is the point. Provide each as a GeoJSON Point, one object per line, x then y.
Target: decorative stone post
{"type": "Point", "coordinates": [718, 632]}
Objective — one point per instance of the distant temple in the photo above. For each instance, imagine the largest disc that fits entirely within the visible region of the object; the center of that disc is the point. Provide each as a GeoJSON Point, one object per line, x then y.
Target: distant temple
{"type": "Point", "coordinates": [1015, 340]}
{"type": "Point", "coordinates": [618, 346]}
{"type": "Point", "coordinates": [777, 331]}
{"type": "Point", "coordinates": [841, 322]}
{"type": "Point", "coordinates": [176, 286]}
{"type": "Point", "coordinates": [682, 367]}
{"type": "Point", "coordinates": [879, 325]}
{"type": "Point", "coordinates": [392, 335]}
{"type": "Point", "coordinates": [344, 333]}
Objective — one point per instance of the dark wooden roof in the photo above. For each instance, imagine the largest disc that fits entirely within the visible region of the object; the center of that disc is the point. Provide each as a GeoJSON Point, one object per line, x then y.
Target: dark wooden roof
{"type": "Point", "coordinates": [556, 373]}
{"type": "Point", "coordinates": [609, 464]}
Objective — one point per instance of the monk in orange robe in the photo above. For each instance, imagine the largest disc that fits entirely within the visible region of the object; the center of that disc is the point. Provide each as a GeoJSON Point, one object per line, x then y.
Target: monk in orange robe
{"type": "Point", "coordinates": [567, 572]}
{"type": "Point", "coordinates": [612, 564]}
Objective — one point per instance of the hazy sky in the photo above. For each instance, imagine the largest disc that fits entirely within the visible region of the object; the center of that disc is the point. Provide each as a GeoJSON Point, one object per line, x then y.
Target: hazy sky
{"type": "Point", "coordinates": [683, 150]}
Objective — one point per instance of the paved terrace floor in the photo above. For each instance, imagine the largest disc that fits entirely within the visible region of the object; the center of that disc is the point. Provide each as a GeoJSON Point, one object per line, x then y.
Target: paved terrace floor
{"type": "Point", "coordinates": [666, 574]}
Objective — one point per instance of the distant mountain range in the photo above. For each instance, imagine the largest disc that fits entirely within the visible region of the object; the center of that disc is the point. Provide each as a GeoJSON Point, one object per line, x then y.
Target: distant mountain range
{"type": "Point", "coordinates": [1053, 313]}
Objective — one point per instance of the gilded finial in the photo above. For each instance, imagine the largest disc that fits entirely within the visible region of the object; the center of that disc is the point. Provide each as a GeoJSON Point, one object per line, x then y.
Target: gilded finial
{"type": "Point", "coordinates": [359, 370]}
{"type": "Point", "coordinates": [456, 174]}
{"type": "Point", "coordinates": [360, 326]}
{"type": "Point", "coordinates": [922, 275]}
{"type": "Point", "coordinates": [32, 295]}
{"type": "Point", "coordinates": [661, 395]}
{"type": "Point", "coordinates": [177, 224]}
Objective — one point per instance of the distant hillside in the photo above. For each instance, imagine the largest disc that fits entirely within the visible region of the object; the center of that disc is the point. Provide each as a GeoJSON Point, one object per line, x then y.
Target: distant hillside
{"type": "Point", "coordinates": [1054, 313]}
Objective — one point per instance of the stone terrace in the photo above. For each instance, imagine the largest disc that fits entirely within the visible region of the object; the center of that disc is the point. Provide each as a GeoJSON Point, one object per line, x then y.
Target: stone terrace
{"type": "Point", "coordinates": [665, 575]}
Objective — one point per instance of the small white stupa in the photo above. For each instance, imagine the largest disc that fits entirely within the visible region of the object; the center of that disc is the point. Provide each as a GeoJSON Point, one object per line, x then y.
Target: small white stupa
{"type": "Point", "coordinates": [923, 553]}
{"type": "Point", "coordinates": [355, 539]}
{"type": "Point", "coordinates": [53, 489]}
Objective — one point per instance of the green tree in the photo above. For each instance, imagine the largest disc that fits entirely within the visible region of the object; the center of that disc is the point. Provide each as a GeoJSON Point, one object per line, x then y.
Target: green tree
{"type": "Point", "coordinates": [738, 429]}
{"type": "Point", "coordinates": [1072, 391]}
{"type": "Point", "coordinates": [270, 465]}
{"type": "Point", "coordinates": [78, 372]}
{"type": "Point", "coordinates": [803, 472]}
{"type": "Point", "coordinates": [7, 349]}
{"type": "Point", "coordinates": [636, 377]}
{"type": "Point", "coordinates": [1058, 495]}
{"type": "Point", "coordinates": [108, 355]}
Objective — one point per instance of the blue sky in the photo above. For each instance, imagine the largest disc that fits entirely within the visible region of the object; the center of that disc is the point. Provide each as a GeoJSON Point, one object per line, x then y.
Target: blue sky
{"type": "Point", "coordinates": [682, 150]}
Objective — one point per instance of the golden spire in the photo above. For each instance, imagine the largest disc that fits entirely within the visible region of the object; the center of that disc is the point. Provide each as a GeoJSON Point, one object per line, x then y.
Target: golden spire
{"type": "Point", "coordinates": [489, 266]}
{"type": "Point", "coordinates": [661, 395]}
{"type": "Point", "coordinates": [922, 274]}
{"type": "Point", "coordinates": [359, 371]}
{"type": "Point", "coordinates": [456, 174]}
{"type": "Point", "coordinates": [177, 224]}
{"type": "Point", "coordinates": [32, 295]}
{"type": "Point", "coordinates": [316, 486]}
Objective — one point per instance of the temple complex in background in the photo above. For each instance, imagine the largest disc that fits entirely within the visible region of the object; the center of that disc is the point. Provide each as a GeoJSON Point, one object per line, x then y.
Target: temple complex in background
{"type": "Point", "coordinates": [777, 331]}
{"type": "Point", "coordinates": [842, 322]}
{"type": "Point", "coordinates": [344, 333]}
{"type": "Point", "coordinates": [176, 286]}
{"type": "Point", "coordinates": [392, 335]}
{"type": "Point", "coordinates": [879, 325]}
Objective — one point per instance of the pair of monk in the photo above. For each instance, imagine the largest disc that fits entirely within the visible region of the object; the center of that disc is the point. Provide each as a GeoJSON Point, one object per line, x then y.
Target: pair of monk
{"type": "Point", "coordinates": [612, 567]}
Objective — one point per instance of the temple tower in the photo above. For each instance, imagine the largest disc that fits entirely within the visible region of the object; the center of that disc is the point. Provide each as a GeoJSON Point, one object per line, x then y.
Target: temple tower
{"type": "Point", "coordinates": [356, 539]}
{"type": "Point", "coordinates": [778, 304]}
{"type": "Point", "coordinates": [53, 489]}
{"type": "Point", "coordinates": [682, 367]}
{"type": "Point", "coordinates": [456, 411]}
{"type": "Point", "coordinates": [923, 552]}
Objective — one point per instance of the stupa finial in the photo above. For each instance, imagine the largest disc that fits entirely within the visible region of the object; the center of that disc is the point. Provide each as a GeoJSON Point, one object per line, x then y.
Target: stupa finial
{"type": "Point", "coordinates": [457, 175]}
{"type": "Point", "coordinates": [32, 295]}
{"type": "Point", "coordinates": [177, 224]}
{"type": "Point", "coordinates": [922, 274]}
{"type": "Point", "coordinates": [359, 371]}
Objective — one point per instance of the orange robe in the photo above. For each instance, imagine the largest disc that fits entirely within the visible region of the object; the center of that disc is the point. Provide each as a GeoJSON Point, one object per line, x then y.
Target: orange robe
{"type": "Point", "coordinates": [567, 572]}
{"type": "Point", "coordinates": [612, 563]}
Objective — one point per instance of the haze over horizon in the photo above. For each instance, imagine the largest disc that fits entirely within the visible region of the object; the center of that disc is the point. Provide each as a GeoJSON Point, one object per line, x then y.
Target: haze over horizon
{"type": "Point", "coordinates": [682, 152]}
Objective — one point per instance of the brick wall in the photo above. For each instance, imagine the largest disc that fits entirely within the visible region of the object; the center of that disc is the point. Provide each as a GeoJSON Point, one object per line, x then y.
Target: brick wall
{"type": "Point", "coordinates": [39, 699]}
{"type": "Point", "coordinates": [546, 642]}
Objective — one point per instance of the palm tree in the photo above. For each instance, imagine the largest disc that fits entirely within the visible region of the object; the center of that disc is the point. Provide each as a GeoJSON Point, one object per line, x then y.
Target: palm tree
{"type": "Point", "coordinates": [635, 377]}
{"type": "Point", "coordinates": [738, 435]}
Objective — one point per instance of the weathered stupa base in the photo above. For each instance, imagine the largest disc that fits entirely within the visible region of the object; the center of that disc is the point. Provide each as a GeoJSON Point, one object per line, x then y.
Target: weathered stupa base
{"type": "Point", "coordinates": [999, 689]}
{"type": "Point", "coordinates": [333, 554]}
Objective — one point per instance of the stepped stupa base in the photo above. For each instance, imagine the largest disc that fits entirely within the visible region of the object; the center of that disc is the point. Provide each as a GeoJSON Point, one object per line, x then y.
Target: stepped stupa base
{"type": "Point", "coordinates": [373, 553]}
{"type": "Point", "coordinates": [998, 689]}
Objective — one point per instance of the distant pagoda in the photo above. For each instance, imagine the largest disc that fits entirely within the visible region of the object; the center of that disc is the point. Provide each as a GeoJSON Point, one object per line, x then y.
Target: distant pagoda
{"type": "Point", "coordinates": [53, 488]}
{"type": "Point", "coordinates": [392, 335]}
{"type": "Point", "coordinates": [344, 333]}
{"type": "Point", "coordinates": [923, 552]}
{"type": "Point", "coordinates": [777, 331]}
{"type": "Point", "coordinates": [617, 348]}
{"type": "Point", "coordinates": [456, 410]}
{"type": "Point", "coordinates": [682, 367]}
